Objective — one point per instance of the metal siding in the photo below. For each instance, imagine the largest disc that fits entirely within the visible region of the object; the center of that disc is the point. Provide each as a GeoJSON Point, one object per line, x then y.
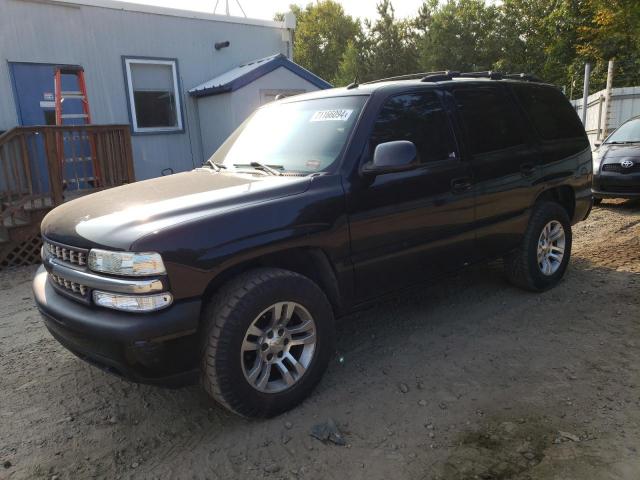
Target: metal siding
{"type": "Point", "coordinates": [216, 122]}
{"type": "Point", "coordinates": [97, 38]}
{"type": "Point", "coordinates": [625, 103]}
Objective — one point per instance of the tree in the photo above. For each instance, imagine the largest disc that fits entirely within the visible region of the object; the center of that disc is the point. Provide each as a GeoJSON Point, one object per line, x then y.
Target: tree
{"type": "Point", "coordinates": [354, 64]}
{"type": "Point", "coordinates": [611, 31]}
{"type": "Point", "coordinates": [393, 44]}
{"type": "Point", "coordinates": [322, 35]}
{"type": "Point", "coordinates": [458, 35]}
{"type": "Point", "coordinates": [548, 38]}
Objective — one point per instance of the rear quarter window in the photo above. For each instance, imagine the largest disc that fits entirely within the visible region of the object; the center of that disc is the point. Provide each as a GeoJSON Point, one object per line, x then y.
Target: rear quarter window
{"type": "Point", "coordinates": [549, 111]}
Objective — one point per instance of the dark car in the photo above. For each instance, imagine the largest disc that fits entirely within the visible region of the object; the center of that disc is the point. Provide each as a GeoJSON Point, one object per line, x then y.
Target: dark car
{"type": "Point", "coordinates": [616, 165]}
{"type": "Point", "coordinates": [318, 204]}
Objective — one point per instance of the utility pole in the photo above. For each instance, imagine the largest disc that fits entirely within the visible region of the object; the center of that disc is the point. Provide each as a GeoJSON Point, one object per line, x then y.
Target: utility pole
{"type": "Point", "coordinates": [585, 93]}
{"type": "Point", "coordinates": [607, 100]}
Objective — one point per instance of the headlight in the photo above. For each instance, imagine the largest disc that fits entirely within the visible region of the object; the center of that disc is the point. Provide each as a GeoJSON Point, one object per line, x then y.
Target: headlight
{"type": "Point", "coordinates": [132, 303]}
{"type": "Point", "coordinates": [126, 263]}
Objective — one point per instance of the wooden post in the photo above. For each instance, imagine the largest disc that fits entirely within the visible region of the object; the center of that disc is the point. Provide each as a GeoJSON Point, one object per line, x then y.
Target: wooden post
{"type": "Point", "coordinates": [585, 93]}
{"type": "Point", "coordinates": [607, 101]}
{"type": "Point", "coordinates": [25, 162]}
{"type": "Point", "coordinates": [53, 165]}
{"type": "Point", "coordinates": [131, 177]}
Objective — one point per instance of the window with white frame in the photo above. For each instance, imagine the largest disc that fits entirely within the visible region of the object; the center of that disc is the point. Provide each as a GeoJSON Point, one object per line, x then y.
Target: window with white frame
{"type": "Point", "coordinates": [154, 97]}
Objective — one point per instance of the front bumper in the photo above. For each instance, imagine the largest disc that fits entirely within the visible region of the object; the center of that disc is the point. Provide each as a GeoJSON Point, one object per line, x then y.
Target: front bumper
{"type": "Point", "coordinates": [158, 347]}
{"type": "Point", "coordinates": [616, 185]}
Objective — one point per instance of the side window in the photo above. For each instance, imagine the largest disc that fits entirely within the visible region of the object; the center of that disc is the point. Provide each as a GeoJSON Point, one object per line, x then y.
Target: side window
{"type": "Point", "coordinates": [549, 111]}
{"type": "Point", "coordinates": [419, 118]}
{"type": "Point", "coordinates": [490, 119]}
{"type": "Point", "coordinates": [154, 97]}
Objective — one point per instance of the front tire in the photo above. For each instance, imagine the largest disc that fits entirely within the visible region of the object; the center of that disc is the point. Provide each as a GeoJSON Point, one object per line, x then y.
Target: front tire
{"type": "Point", "coordinates": [543, 256]}
{"type": "Point", "coordinates": [268, 338]}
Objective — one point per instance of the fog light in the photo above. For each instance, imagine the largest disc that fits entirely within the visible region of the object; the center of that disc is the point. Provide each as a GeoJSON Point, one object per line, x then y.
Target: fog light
{"type": "Point", "coordinates": [132, 303]}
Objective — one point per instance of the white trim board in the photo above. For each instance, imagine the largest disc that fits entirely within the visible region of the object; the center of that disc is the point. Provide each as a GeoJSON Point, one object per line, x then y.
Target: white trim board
{"type": "Point", "coordinates": [153, 10]}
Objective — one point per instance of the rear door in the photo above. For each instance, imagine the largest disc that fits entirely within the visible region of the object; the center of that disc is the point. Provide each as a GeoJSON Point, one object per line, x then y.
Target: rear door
{"type": "Point", "coordinates": [408, 226]}
{"type": "Point", "coordinates": [504, 161]}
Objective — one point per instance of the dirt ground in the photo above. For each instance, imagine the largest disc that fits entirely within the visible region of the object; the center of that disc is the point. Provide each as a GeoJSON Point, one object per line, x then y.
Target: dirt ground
{"type": "Point", "coordinates": [466, 379]}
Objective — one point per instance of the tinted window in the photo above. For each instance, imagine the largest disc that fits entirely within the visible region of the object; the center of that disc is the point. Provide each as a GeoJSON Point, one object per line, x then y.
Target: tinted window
{"type": "Point", "coordinates": [489, 119]}
{"type": "Point", "coordinates": [419, 118]}
{"type": "Point", "coordinates": [550, 112]}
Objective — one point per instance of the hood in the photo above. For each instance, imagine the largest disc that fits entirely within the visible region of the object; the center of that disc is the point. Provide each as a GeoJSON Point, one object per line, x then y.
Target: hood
{"type": "Point", "coordinates": [117, 217]}
{"type": "Point", "coordinates": [617, 153]}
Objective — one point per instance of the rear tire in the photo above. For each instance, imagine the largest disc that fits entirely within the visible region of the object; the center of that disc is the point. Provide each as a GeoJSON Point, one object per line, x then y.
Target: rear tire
{"type": "Point", "coordinates": [267, 340]}
{"type": "Point", "coordinates": [543, 256]}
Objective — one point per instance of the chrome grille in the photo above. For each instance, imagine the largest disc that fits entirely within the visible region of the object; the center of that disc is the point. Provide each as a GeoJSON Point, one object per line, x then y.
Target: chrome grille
{"type": "Point", "coordinates": [72, 287]}
{"type": "Point", "coordinates": [66, 254]}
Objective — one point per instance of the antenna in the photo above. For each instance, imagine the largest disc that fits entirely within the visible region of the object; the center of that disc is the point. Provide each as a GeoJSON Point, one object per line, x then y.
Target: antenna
{"type": "Point", "coordinates": [226, 9]}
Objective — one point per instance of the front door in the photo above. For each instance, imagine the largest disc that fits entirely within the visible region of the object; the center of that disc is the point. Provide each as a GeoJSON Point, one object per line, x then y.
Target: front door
{"type": "Point", "coordinates": [33, 84]}
{"type": "Point", "coordinates": [407, 227]}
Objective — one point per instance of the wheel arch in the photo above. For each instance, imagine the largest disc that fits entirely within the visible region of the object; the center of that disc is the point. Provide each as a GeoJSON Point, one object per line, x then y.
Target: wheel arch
{"type": "Point", "coordinates": [563, 195]}
{"type": "Point", "coordinates": [312, 262]}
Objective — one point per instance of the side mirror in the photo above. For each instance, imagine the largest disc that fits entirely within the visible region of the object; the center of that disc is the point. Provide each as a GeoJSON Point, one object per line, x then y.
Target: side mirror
{"type": "Point", "coordinates": [390, 157]}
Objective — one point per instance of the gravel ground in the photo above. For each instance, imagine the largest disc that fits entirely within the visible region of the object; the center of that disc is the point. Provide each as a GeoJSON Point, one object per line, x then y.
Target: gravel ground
{"type": "Point", "coordinates": [468, 378]}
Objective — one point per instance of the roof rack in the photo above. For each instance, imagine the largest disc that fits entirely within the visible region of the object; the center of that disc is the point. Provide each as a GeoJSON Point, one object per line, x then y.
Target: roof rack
{"type": "Point", "coordinates": [440, 76]}
{"type": "Point", "coordinates": [444, 75]}
{"type": "Point", "coordinates": [523, 76]}
{"type": "Point", "coordinates": [485, 74]}
{"type": "Point", "coordinates": [409, 76]}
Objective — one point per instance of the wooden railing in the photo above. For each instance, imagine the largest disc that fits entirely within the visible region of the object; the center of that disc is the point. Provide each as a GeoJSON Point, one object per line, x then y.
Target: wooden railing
{"type": "Point", "coordinates": [46, 165]}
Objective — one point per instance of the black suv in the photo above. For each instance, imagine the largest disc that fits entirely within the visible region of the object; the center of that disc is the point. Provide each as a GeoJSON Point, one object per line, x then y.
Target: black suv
{"type": "Point", "coordinates": [616, 165]}
{"type": "Point", "coordinates": [317, 204]}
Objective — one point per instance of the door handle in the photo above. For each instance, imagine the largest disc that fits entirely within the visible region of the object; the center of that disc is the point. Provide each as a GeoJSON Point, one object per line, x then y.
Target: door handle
{"type": "Point", "coordinates": [527, 169]}
{"type": "Point", "coordinates": [461, 185]}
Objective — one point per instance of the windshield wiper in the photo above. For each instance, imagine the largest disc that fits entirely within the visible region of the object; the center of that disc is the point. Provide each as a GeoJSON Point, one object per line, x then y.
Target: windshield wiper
{"type": "Point", "coordinates": [216, 166]}
{"type": "Point", "coordinates": [262, 166]}
{"type": "Point", "coordinates": [626, 142]}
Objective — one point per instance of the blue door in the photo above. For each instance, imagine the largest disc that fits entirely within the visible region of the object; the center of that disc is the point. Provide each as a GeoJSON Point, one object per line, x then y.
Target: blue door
{"type": "Point", "coordinates": [33, 85]}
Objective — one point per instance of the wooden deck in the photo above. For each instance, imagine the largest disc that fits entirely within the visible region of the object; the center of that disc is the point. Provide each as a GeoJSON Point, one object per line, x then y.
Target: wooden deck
{"type": "Point", "coordinates": [44, 166]}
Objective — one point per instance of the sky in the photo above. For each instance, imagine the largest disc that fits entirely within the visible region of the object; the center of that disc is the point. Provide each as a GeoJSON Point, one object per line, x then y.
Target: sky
{"type": "Point", "coordinates": [266, 8]}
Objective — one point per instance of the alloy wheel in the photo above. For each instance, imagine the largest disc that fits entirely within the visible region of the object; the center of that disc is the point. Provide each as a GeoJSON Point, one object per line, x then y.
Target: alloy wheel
{"type": "Point", "coordinates": [278, 347]}
{"type": "Point", "coordinates": [551, 245]}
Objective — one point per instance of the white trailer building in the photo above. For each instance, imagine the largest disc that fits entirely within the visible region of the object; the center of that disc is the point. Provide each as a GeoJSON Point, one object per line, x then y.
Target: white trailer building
{"type": "Point", "coordinates": [139, 62]}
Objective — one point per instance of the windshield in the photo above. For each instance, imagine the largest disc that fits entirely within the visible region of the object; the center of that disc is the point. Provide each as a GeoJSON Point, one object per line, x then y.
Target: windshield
{"type": "Point", "coordinates": [305, 136]}
{"type": "Point", "coordinates": [628, 133]}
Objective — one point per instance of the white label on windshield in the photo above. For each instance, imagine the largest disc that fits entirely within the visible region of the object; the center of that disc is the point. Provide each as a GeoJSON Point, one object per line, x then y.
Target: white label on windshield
{"type": "Point", "coordinates": [339, 115]}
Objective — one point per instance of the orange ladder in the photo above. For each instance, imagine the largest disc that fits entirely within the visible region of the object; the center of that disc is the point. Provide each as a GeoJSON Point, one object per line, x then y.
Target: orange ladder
{"type": "Point", "coordinates": [81, 94]}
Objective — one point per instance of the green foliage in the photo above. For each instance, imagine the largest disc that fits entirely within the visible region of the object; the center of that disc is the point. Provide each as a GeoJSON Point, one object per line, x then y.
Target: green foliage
{"type": "Point", "coordinates": [549, 38]}
{"type": "Point", "coordinates": [458, 35]}
{"type": "Point", "coordinates": [321, 37]}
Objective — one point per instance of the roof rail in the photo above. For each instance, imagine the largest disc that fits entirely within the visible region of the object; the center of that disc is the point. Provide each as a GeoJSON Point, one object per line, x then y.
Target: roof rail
{"type": "Point", "coordinates": [485, 74]}
{"type": "Point", "coordinates": [523, 76]}
{"type": "Point", "coordinates": [440, 76]}
{"type": "Point", "coordinates": [444, 75]}
{"type": "Point", "coordinates": [409, 76]}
